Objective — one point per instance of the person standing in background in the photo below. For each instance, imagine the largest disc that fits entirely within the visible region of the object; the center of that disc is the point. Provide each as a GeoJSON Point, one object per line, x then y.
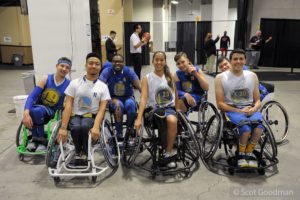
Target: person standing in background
{"type": "Point", "coordinates": [136, 49]}
{"type": "Point", "coordinates": [224, 44]}
{"type": "Point", "coordinates": [110, 46]}
{"type": "Point", "coordinates": [210, 50]}
{"type": "Point", "coordinates": [256, 44]}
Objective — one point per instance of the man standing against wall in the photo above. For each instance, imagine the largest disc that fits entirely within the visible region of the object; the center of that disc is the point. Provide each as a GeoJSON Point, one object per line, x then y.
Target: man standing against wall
{"type": "Point", "coordinates": [256, 44]}
{"type": "Point", "coordinates": [110, 46]}
{"type": "Point", "coordinates": [136, 49]}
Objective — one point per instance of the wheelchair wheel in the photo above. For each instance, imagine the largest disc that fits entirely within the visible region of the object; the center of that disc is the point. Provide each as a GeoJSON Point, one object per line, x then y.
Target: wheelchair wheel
{"type": "Point", "coordinates": [109, 145]}
{"type": "Point", "coordinates": [206, 111]}
{"type": "Point", "coordinates": [53, 148]}
{"type": "Point", "coordinates": [132, 146]}
{"type": "Point", "coordinates": [212, 136]}
{"type": "Point", "coordinates": [188, 136]}
{"type": "Point", "coordinates": [268, 143]}
{"type": "Point", "coordinates": [20, 135]}
{"type": "Point", "coordinates": [277, 117]}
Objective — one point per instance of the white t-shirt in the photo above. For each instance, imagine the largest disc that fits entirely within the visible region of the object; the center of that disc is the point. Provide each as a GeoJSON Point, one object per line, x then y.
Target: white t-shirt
{"type": "Point", "coordinates": [238, 90]}
{"type": "Point", "coordinates": [159, 91]}
{"type": "Point", "coordinates": [87, 95]}
{"type": "Point", "coordinates": [134, 40]}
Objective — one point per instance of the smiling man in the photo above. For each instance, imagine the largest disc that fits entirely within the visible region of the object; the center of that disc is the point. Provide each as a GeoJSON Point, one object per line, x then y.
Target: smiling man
{"type": "Point", "coordinates": [86, 100]}
{"type": "Point", "coordinates": [121, 80]}
{"type": "Point", "coordinates": [237, 94]}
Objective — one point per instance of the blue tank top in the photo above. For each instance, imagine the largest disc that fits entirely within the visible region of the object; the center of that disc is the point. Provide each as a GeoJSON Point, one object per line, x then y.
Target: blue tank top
{"type": "Point", "coordinates": [119, 84]}
{"type": "Point", "coordinates": [53, 95]}
{"type": "Point", "coordinates": [189, 83]}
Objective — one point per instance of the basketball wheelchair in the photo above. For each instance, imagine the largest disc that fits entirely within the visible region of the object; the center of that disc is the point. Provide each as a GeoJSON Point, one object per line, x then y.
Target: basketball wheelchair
{"type": "Point", "coordinates": [150, 152]}
{"type": "Point", "coordinates": [103, 154]}
{"type": "Point", "coordinates": [221, 132]}
{"type": "Point", "coordinates": [24, 137]}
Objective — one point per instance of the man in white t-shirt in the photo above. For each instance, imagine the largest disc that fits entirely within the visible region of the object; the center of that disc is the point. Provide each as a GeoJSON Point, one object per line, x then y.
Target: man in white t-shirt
{"type": "Point", "coordinates": [136, 49]}
{"type": "Point", "coordinates": [85, 104]}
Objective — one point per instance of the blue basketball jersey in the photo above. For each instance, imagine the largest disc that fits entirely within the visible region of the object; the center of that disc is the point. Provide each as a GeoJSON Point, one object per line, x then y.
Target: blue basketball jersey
{"type": "Point", "coordinates": [119, 84]}
{"type": "Point", "coordinates": [189, 83]}
{"type": "Point", "coordinates": [53, 95]}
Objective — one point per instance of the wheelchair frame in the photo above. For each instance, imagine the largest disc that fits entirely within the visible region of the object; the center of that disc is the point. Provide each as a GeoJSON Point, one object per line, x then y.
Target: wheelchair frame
{"type": "Point", "coordinates": [228, 135]}
{"type": "Point", "coordinates": [67, 152]}
{"type": "Point", "coordinates": [23, 135]}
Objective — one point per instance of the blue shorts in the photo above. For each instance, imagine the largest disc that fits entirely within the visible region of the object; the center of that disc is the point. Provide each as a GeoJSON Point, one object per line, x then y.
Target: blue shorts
{"type": "Point", "coordinates": [236, 118]}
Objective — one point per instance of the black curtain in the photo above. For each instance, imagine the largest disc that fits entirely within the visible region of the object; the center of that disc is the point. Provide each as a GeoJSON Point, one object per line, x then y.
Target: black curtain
{"type": "Point", "coordinates": [128, 30]}
{"type": "Point", "coordinates": [95, 27]}
{"type": "Point", "coordinates": [202, 29]}
{"type": "Point", "coordinates": [283, 49]}
{"type": "Point", "coordinates": [241, 24]}
{"type": "Point", "coordinates": [186, 39]}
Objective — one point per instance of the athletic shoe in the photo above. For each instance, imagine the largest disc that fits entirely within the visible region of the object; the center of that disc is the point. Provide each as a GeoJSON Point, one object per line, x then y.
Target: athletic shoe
{"type": "Point", "coordinates": [41, 147]}
{"type": "Point", "coordinates": [31, 146]}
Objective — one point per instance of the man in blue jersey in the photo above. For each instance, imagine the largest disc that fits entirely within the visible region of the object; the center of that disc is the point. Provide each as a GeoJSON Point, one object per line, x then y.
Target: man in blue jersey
{"type": "Point", "coordinates": [47, 97]}
{"type": "Point", "coordinates": [121, 80]}
{"type": "Point", "coordinates": [190, 82]}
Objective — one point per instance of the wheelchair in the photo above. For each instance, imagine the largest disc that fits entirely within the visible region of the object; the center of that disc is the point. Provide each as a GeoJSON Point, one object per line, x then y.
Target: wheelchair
{"type": "Point", "coordinates": [104, 154]}
{"type": "Point", "coordinates": [24, 137]}
{"type": "Point", "coordinates": [221, 132]}
{"type": "Point", "coordinates": [129, 143]}
{"type": "Point", "coordinates": [150, 157]}
{"type": "Point", "coordinates": [275, 114]}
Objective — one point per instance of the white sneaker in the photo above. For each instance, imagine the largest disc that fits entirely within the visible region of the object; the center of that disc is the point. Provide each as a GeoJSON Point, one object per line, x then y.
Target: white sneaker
{"type": "Point", "coordinates": [243, 163]}
{"type": "Point", "coordinates": [252, 163]}
{"type": "Point", "coordinates": [168, 156]}
{"type": "Point", "coordinates": [31, 146]}
{"type": "Point", "coordinates": [41, 147]}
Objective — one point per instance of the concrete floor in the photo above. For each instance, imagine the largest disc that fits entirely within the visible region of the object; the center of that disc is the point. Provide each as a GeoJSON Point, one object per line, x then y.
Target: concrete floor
{"type": "Point", "coordinates": [30, 179]}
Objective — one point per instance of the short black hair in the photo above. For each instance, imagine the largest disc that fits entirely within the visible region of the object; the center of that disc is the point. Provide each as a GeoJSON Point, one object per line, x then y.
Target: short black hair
{"type": "Point", "coordinates": [136, 26]}
{"type": "Point", "coordinates": [119, 56]}
{"type": "Point", "coordinates": [112, 32]}
{"type": "Point", "coordinates": [221, 59]}
{"type": "Point", "coordinates": [239, 51]}
{"type": "Point", "coordinates": [93, 54]}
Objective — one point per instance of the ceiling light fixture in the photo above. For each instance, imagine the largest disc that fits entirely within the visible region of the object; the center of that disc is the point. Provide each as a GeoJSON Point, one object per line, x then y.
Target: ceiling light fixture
{"type": "Point", "coordinates": [174, 2]}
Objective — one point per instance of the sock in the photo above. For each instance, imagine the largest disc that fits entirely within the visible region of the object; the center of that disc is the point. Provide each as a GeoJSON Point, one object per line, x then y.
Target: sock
{"type": "Point", "coordinates": [250, 147]}
{"type": "Point", "coordinates": [242, 148]}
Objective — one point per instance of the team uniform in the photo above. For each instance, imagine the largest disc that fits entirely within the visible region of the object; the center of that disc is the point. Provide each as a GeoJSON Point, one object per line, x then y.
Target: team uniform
{"type": "Point", "coordinates": [120, 87]}
{"type": "Point", "coordinates": [43, 103]}
{"type": "Point", "coordinates": [238, 92]}
{"type": "Point", "coordinates": [159, 93]}
{"type": "Point", "coordinates": [87, 97]}
{"type": "Point", "coordinates": [188, 83]}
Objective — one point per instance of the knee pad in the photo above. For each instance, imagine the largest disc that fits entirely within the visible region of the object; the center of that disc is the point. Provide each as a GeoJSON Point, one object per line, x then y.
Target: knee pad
{"type": "Point", "coordinates": [161, 123]}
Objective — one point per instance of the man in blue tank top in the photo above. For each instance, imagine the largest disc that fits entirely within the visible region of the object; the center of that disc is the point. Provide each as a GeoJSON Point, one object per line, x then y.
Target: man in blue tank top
{"type": "Point", "coordinates": [190, 82]}
{"type": "Point", "coordinates": [47, 97]}
{"type": "Point", "coordinates": [121, 80]}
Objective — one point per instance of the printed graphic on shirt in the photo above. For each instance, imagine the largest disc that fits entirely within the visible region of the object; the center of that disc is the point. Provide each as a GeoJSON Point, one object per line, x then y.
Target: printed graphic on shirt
{"type": "Point", "coordinates": [163, 95]}
{"type": "Point", "coordinates": [187, 86]}
{"type": "Point", "coordinates": [50, 97]}
{"type": "Point", "coordinates": [239, 96]}
{"type": "Point", "coordinates": [119, 89]}
{"type": "Point", "coordinates": [85, 103]}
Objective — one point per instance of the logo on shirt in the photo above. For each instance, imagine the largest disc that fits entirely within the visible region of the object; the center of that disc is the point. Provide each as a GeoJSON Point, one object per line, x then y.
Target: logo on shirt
{"type": "Point", "coordinates": [187, 86]}
{"type": "Point", "coordinates": [85, 103]}
{"type": "Point", "coordinates": [163, 95]}
{"type": "Point", "coordinates": [119, 89]}
{"type": "Point", "coordinates": [240, 96]}
{"type": "Point", "coordinates": [50, 97]}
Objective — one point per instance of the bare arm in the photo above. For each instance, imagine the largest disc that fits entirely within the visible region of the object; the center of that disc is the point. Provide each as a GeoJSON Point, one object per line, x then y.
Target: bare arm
{"type": "Point", "coordinates": [95, 131]}
{"type": "Point", "coordinates": [140, 44]}
{"type": "Point", "coordinates": [137, 85]}
{"type": "Point", "coordinates": [62, 134]}
{"type": "Point", "coordinates": [201, 79]}
{"type": "Point", "coordinates": [142, 104]}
